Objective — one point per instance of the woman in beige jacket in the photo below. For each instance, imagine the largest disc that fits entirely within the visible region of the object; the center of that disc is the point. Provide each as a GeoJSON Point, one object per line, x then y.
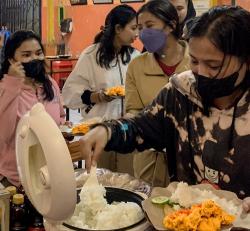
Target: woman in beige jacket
{"type": "Point", "coordinates": [160, 33]}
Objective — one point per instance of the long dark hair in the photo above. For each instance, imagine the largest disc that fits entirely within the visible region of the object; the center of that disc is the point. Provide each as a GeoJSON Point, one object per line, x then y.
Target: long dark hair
{"type": "Point", "coordinates": [165, 11]}
{"type": "Point", "coordinates": [191, 13]}
{"type": "Point", "coordinates": [120, 15]}
{"type": "Point", "coordinates": [12, 44]}
{"type": "Point", "coordinates": [227, 27]}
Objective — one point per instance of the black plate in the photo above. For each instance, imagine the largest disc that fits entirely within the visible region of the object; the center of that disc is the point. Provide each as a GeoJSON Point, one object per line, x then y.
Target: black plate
{"type": "Point", "coordinates": [118, 195]}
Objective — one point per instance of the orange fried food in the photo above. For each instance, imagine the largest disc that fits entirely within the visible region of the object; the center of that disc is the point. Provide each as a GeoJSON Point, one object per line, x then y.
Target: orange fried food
{"type": "Point", "coordinates": [85, 126]}
{"type": "Point", "coordinates": [81, 128]}
{"type": "Point", "coordinates": [116, 91]}
{"type": "Point", "coordinates": [210, 224]}
{"type": "Point", "coordinates": [207, 216]}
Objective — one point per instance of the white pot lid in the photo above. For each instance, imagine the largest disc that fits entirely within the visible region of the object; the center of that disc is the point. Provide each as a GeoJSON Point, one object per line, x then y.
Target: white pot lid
{"type": "Point", "coordinates": [45, 166]}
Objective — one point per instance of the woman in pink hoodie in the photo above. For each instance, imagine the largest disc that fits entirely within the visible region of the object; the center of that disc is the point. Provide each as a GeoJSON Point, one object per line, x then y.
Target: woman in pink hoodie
{"type": "Point", "coordinates": [23, 83]}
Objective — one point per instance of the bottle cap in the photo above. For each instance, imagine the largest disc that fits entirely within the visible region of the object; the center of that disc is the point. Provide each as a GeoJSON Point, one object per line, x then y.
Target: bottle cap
{"type": "Point", "coordinates": [18, 199]}
{"type": "Point", "coordinates": [11, 190]}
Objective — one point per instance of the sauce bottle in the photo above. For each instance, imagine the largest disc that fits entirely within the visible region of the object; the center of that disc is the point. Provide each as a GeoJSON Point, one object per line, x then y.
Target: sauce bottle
{"type": "Point", "coordinates": [18, 213]}
{"type": "Point", "coordinates": [35, 220]}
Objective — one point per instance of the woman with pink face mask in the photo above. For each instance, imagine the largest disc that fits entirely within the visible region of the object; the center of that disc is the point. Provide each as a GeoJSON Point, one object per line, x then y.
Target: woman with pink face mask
{"type": "Point", "coordinates": [166, 54]}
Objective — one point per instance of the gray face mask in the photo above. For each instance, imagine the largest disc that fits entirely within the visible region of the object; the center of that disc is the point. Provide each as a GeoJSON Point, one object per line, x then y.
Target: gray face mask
{"type": "Point", "coordinates": [154, 40]}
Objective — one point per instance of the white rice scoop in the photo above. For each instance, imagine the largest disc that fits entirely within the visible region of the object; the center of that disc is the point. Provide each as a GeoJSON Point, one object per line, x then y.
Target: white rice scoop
{"type": "Point", "coordinates": [92, 179]}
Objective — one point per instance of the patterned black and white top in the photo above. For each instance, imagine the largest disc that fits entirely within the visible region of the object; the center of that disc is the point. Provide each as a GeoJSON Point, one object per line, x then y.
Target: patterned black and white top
{"type": "Point", "coordinates": [213, 149]}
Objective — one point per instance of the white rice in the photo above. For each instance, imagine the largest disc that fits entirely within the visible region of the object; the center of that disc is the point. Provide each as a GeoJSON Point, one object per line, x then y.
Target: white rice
{"type": "Point", "coordinates": [187, 196]}
{"type": "Point", "coordinates": [93, 211]}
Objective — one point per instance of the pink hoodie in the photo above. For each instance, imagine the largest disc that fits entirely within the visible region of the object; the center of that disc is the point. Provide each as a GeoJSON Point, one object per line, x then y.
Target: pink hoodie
{"type": "Point", "coordinates": [16, 98]}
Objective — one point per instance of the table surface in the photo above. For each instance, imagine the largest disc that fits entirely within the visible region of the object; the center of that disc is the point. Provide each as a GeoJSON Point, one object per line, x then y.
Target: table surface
{"type": "Point", "coordinates": [57, 58]}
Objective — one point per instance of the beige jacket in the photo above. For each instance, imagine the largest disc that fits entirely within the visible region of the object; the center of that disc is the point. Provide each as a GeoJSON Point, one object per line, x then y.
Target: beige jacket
{"type": "Point", "coordinates": [145, 79]}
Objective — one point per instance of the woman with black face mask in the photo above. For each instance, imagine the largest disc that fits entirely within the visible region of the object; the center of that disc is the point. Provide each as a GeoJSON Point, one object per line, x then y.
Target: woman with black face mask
{"type": "Point", "coordinates": [23, 83]}
{"type": "Point", "coordinates": [202, 116]}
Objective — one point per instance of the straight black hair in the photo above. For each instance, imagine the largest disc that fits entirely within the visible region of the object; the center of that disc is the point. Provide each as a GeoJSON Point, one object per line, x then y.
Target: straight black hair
{"type": "Point", "coordinates": [227, 27]}
{"type": "Point", "coordinates": [165, 11]}
{"type": "Point", "coordinates": [12, 44]}
{"type": "Point", "coordinates": [191, 13]}
{"type": "Point", "coordinates": [120, 15]}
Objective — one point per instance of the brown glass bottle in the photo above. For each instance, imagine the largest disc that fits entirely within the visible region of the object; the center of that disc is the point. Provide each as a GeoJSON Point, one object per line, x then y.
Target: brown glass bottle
{"type": "Point", "coordinates": [35, 220]}
{"type": "Point", "coordinates": [18, 214]}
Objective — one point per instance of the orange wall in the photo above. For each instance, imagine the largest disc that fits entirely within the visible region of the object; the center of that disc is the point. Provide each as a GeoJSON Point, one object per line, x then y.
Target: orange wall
{"type": "Point", "coordinates": [243, 3]}
{"type": "Point", "coordinates": [87, 20]}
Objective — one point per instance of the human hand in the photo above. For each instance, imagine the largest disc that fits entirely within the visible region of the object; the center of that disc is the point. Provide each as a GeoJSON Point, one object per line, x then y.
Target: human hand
{"type": "Point", "coordinates": [100, 97]}
{"type": "Point", "coordinates": [16, 69]}
{"type": "Point", "coordinates": [69, 124]}
{"type": "Point", "coordinates": [128, 115]}
{"type": "Point", "coordinates": [246, 205]}
{"type": "Point", "coordinates": [92, 145]}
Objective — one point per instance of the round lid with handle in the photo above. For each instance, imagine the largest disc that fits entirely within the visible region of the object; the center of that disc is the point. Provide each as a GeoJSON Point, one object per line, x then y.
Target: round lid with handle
{"type": "Point", "coordinates": [44, 165]}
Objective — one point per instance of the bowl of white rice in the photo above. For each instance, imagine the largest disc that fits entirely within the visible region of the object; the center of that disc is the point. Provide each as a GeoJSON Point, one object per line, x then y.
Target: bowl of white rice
{"type": "Point", "coordinates": [106, 208]}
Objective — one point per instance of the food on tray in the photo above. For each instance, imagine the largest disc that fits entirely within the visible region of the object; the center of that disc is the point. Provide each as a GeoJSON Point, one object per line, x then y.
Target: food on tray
{"type": "Point", "coordinates": [93, 212]}
{"type": "Point", "coordinates": [162, 200]}
{"type": "Point", "coordinates": [207, 216]}
{"type": "Point", "coordinates": [84, 127]}
{"type": "Point", "coordinates": [115, 91]}
{"type": "Point", "coordinates": [190, 208]}
{"type": "Point", "coordinates": [81, 128]}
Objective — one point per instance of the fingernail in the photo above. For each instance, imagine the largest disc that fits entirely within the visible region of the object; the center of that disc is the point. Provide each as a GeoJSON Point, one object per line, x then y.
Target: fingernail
{"type": "Point", "coordinates": [94, 163]}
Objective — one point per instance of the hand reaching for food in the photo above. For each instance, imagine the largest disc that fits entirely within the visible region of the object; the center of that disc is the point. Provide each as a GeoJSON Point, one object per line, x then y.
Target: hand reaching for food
{"type": "Point", "coordinates": [93, 144]}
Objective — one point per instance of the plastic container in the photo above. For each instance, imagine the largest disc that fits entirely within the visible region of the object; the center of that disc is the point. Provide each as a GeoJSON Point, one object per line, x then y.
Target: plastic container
{"type": "Point", "coordinates": [4, 210]}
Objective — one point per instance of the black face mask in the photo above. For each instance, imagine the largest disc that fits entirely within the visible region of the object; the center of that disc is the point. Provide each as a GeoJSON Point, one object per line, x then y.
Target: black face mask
{"type": "Point", "coordinates": [35, 69]}
{"type": "Point", "coordinates": [210, 89]}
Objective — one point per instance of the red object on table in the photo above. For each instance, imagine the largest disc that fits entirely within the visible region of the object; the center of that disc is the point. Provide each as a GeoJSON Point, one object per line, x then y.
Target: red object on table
{"type": "Point", "coordinates": [61, 69]}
